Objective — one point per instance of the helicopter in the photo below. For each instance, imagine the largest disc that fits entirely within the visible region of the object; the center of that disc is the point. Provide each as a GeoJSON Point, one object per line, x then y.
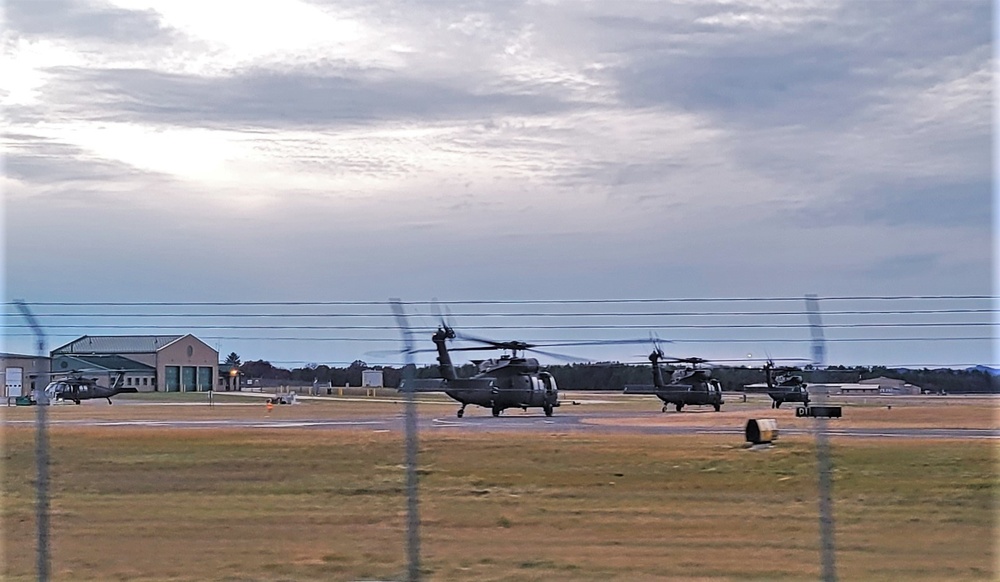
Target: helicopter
{"type": "Point", "coordinates": [784, 385]}
{"type": "Point", "coordinates": [76, 388]}
{"type": "Point", "coordinates": [690, 384]}
{"type": "Point", "coordinates": [509, 381]}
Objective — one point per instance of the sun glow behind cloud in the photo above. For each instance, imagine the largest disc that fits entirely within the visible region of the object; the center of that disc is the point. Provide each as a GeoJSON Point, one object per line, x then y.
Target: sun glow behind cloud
{"type": "Point", "coordinates": [23, 69]}
{"type": "Point", "coordinates": [229, 35]}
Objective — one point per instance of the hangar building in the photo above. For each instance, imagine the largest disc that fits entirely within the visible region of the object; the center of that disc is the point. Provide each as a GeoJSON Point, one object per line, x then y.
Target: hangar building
{"type": "Point", "coordinates": [151, 363]}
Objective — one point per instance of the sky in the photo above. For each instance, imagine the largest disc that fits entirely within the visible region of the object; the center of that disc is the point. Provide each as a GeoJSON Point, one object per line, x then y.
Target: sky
{"type": "Point", "coordinates": [316, 158]}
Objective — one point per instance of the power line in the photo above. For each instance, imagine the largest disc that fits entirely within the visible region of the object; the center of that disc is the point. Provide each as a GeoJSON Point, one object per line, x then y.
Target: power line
{"type": "Point", "coordinates": [510, 327]}
{"type": "Point", "coordinates": [510, 301]}
{"type": "Point", "coordinates": [531, 314]}
{"type": "Point", "coordinates": [709, 340]}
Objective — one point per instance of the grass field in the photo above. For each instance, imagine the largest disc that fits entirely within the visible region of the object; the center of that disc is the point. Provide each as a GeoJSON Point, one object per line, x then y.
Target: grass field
{"type": "Point", "coordinates": [254, 504]}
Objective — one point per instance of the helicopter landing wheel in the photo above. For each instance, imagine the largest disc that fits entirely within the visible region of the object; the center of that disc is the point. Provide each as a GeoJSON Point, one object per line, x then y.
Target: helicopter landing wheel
{"type": "Point", "coordinates": [548, 410]}
{"type": "Point", "coordinates": [460, 413]}
{"type": "Point", "coordinates": [678, 406]}
{"type": "Point", "coordinates": [664, 409]}
{"type": "Point", "coordinates": [497, 410]}
{"type": "Point", "coordinates": [717, 407]}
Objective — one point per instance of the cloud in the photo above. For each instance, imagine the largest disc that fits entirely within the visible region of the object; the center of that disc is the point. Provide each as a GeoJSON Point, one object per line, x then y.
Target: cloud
{"type": "Point", "coordinates": [820, 72]}
{"type": "Point", "coordinates": [44, 162]}
{"type": "Point", "coordinates": [273, 99]}
{"type": "Point", "coordinates": [68, 19]}
{"type": "Point", "coordinates": [964, 204]}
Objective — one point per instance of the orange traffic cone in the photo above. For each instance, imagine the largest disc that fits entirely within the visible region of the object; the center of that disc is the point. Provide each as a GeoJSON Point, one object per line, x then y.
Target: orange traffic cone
{"type": "Point", "coordinates": [270, 405]}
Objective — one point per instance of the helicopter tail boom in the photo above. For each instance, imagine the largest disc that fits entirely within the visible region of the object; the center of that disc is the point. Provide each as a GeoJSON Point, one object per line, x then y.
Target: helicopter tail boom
{"type": "Point", "coordinates": [423, 385]}
{"type": "Point", "coordinates": [640, 389]}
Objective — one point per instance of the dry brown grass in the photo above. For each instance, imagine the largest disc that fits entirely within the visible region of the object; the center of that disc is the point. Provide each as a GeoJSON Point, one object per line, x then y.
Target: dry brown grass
{"type": "Point", "coordinates": [169, 504]}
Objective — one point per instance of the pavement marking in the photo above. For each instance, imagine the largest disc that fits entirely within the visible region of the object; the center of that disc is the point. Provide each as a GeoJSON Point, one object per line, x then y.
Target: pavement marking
{"type": "Point", "coordinates": [300, 424]}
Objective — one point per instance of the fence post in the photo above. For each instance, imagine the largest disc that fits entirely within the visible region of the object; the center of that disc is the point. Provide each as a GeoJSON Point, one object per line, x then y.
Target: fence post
{"type": "Point", "coordinates": [413, 517]}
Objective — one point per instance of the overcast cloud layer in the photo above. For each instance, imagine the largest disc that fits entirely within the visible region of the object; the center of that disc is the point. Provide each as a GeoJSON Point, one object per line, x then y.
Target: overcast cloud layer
{"type": "Point", "coordinates": [320, 151]}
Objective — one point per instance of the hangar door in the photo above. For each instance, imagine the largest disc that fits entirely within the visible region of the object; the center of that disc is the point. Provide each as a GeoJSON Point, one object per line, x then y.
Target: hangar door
{"type": "Point", "coordinates": [12, 381]}
{"type": "Point", "coordinates": [189, 382]}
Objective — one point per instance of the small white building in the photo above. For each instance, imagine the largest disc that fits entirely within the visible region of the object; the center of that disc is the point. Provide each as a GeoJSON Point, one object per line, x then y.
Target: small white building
{"type": "Point", "coordinates": [371, 378]}
{"type": "Point", "coordinates": [23, 373]}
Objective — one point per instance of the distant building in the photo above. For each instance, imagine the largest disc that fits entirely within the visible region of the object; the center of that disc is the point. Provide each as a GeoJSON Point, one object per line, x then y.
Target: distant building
{"type": "Point", "coordinates": [855, 389]}
{"type": "Point", "coordinates": [863, 388]}
{"type": "Point", "coordinates": [831, 388]}
{"type": "Point", "coordinates": [893, 386]}
{"type": "Point", "coordinates": [23, 373]}
{"type": "Point", "coordinates": [162, 363]}
{"type": "Point", "coordinates": [229, 377]}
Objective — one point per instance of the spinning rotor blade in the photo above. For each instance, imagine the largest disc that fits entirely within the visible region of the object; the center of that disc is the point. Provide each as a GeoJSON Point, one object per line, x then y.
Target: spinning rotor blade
{"type": "Point", "coordinates": [563, 357]}
{"type": "Point", "coordinates": [693, 360]}
{"type": "Point", "coordinates": [443, 316]}
{"type": "Point", "coordinates": [593, 343]}
{"type": "Point", "coordinates": [521, 347]}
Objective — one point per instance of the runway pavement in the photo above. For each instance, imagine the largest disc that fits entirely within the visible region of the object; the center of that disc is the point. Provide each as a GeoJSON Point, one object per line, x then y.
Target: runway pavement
{"type": "Point", "coordinates": [598, 422]}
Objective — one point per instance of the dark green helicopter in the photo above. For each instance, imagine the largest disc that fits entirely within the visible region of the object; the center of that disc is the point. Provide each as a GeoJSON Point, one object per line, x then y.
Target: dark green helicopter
{"type": "Point", "coordinates": [690, 383]}
{"type": "Point", "coordinates": [510, 381]}
{"type": "Point", "coordinates": [784, 385]}
{"type": "Point", "coordinates": [76, 388]}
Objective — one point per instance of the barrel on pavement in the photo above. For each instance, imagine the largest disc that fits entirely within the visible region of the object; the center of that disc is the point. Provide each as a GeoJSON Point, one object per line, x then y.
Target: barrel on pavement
{"type": "Point", "coordinates": [761, 431]}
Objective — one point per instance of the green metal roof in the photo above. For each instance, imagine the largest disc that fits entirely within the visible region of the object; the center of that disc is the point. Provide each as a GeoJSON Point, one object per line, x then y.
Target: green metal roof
{"type": "Point", "coordinates": [117, 344]}
{"type": "Point", "coordinates": [109, 363]}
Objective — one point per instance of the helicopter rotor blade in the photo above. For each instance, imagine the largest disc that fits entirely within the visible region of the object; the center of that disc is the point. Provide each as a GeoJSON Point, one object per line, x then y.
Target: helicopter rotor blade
{"type": "Point", "coordinates": [591, 343]}
{"type": "Point", "coordinates": [469, 349]}
{"type": "Point", "coordinates": [563, 357]}
{"type": "Point", "coordinates": [479, 340]}
{"type": "Point", "coordinates": [442, 314]}
{"type": "Point", "coordinates": [520, 345]}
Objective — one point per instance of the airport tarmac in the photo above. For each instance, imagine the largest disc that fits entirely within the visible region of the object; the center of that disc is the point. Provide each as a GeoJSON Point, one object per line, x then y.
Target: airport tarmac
{"type": "Point", "coordinates": [625, 422]}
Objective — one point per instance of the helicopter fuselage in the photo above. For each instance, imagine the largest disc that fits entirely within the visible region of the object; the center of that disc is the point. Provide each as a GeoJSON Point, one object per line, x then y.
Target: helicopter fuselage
{"type": "Point", "coordinates": [786, 388]}
{"type": "Point", "coordinates": [500, 383]}
{"type": "Point", "coordinates": [708, 393]}
{"type": "Point", "coordinates": [78, 390]}
{"type": "Point", "coordinates": [506, 383]}
{"type": "Point", "coordinates": [797, 394]}
{"type": "Point", "coordinates": [688, 386]}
